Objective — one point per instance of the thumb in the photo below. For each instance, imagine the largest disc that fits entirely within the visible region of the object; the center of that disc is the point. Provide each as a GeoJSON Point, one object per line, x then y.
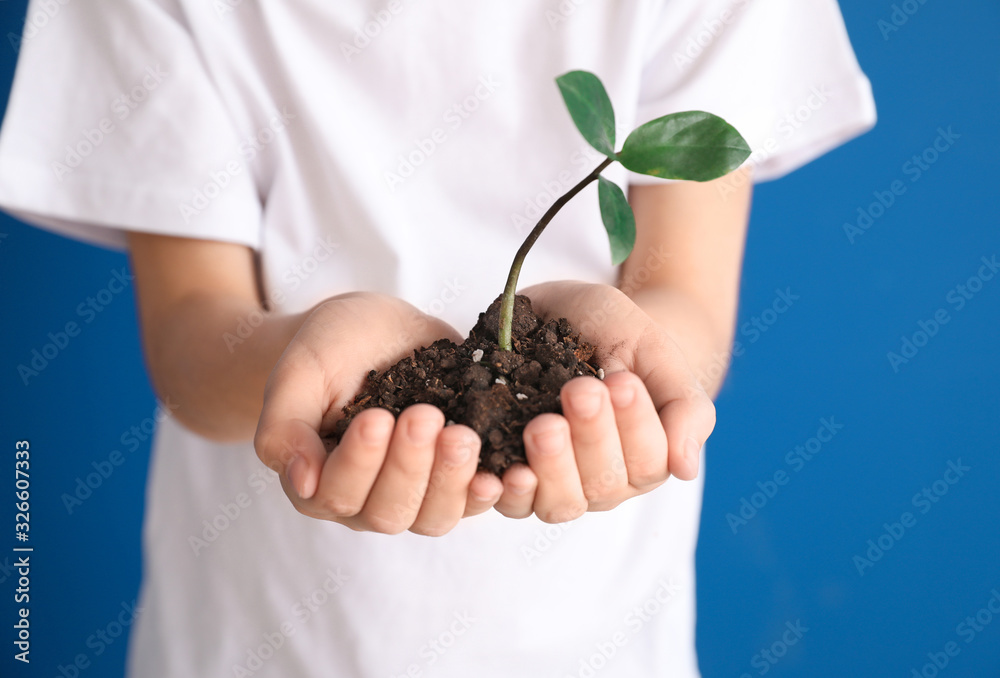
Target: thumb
{"type": "Point", "coordinates": [385, 330]}
{"type": "Point", "coordinates": [287, 439]}
{"type": "Point", "coordinates": [686, 411]}
{"type": "Point", "coordinates": [295, 451]}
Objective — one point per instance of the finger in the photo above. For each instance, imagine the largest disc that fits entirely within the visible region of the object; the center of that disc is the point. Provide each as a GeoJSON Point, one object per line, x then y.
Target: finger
{"type": "Point", "coordinates": [326, 338]}
{"type": "Point", "coordinates": [686, 412]}
{"type": "Point", "coordinates": [519, 485]}
{"type": "Point", "coordinates": [353, 466]}
{"type": "Point", "coordinates": [643, 440]}
{"type": "Point", "coordinates": [688, 422]}
{"type": "Point", "coordinates": [549, 448]}
{"type": "Point", "coordinates": [484, 492]}
{"type": "Point", "coordinates": [587, 408]}
{"type": "Point", "coordinates": [287, 439]}
{"type": "Point", "coordinates": [399, 490]}
{"type": "Point", "coordinates": [455, 461]}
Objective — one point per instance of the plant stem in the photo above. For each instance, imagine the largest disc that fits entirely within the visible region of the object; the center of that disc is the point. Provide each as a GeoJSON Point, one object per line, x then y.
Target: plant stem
{"type": "Point", "coordinates": [507, 303]}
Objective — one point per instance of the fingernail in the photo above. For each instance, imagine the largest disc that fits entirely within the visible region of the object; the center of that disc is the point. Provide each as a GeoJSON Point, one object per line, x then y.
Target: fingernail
{"type": "Point", "coordinates": [586, 403]}
{"type": "Point", "coordinates": [551, 441]}
{"type": "Point", "coordinates": [622, 396]}
{"type": "Point", "coordinates": [692, 451]}
{"type": "Point", "coordinates": [296, 473]}
{"type": "Point", "coordinates": [520, 490]}
{"type": "Point", "coordinates": [421, 431]}
{"type": "Point", "coordinates": [372, 432]}
{"type": "Point", "coordinates": [456, 452]}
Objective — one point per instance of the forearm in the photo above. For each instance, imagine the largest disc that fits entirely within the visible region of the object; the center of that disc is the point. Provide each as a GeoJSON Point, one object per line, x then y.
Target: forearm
{"type": "Point", "coordinates": [685, 269]}
{"type": "Point", "coordinates": [202, 357]}
{"type": "Point", "coordinates": [706, 342]}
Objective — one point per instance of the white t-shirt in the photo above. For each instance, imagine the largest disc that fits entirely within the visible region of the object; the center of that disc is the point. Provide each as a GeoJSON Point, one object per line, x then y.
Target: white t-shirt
{"type": "Point", "coordinates": [403, 147]}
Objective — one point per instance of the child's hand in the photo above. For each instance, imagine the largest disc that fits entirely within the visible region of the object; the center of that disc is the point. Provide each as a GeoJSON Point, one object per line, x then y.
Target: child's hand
{"type": "Point", "coordinates": [386, 475]}
{"type": "Point", "coordinates": [618, 438]}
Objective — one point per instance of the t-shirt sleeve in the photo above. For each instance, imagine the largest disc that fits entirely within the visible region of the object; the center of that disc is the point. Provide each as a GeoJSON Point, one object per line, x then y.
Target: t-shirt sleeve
{"type": "Point", "coordinates": [114, 124]}
{"type": "Point", "coordinates": [781, 71]}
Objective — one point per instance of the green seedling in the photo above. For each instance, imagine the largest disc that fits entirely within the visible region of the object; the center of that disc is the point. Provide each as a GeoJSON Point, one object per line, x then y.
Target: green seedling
{"type": "Point", "coordinates": [692, 145]}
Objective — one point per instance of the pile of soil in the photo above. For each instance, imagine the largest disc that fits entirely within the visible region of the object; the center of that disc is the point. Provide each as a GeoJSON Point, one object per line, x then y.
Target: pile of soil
{"type": "Point", "coordinates": [496, 393]}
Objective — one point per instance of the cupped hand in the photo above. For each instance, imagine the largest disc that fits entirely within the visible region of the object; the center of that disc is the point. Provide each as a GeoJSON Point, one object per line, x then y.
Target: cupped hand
{"type": "Point", "coordinates": [386, 475]}
{"type": "Point", "coordinates": [617, 438]}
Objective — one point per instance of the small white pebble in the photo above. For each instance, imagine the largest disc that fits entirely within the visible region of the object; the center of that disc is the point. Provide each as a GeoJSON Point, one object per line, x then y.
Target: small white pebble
{"type": "Point", "coordinates": [600, 373]}
{"type": "Point", "coordinates": [449, 423]}
{"type": "Point", "coordinates": [477, 355]}
{"type": "Point", "coordinates": [501, 380]}
{"type": "Point", "coordinates": [521, 396]}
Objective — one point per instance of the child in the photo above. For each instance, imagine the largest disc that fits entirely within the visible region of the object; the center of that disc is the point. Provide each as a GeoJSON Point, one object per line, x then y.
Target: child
{"type": "Point", "coordinates": [311, 190]}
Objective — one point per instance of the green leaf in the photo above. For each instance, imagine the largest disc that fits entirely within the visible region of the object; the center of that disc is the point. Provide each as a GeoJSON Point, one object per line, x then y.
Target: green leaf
{"type": "Point", "coordinates": [619, 221]}
{"type": "Point", "coordinates": [590, 108]}
{"type": "Point", "coordinates": [692, 145]}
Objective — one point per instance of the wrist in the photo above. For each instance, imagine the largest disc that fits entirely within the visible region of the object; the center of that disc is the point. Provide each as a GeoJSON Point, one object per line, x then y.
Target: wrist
{"type": "Point", "coordinates": [212, 354]}
{"type": "Point", "coordinates": [706, 346]}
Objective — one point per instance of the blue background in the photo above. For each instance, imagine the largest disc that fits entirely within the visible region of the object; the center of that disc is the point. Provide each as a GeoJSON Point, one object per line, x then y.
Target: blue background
{"type": "Point", "coordinates": [793, 561]}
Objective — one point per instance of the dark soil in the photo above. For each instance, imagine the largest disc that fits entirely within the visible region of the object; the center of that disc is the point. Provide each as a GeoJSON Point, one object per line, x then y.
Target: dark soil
{"type": "Point", "coordinates": [494, 392]}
